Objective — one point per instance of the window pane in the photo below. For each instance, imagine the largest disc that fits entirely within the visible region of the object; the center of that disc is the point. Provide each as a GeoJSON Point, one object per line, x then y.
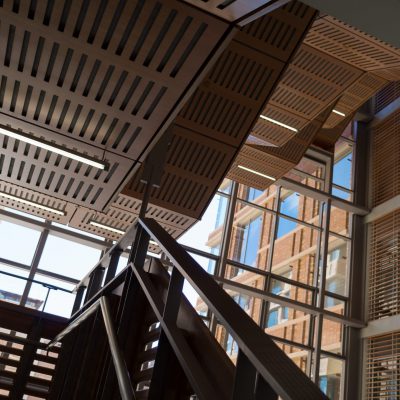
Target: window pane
{"type": "Point", "coordinates": [68, 258]}
{"type": "Point", "coordinates": [289, 203]}
{"type": "Point", "coordinates": [330, 372]}
{"type": "Point", "coordinates": [12, 288]}
{"type": "Point", "coordinates": [291, 291]}
{"type": "Point", "coordinates": [265, 198]}
{"type": "Point", "coordinates": [288, 323]}
{"type": "Point", "coordinates": [342, 168]}
{"type": "Point", "coordinates": [308, 172]}
{"type": "Point", "coordinates": [340, 221]}
{"type": "Point", "coordinates": [248, 236]}
{"type": "Point", "coordinates": [342, 194]}
{"type": "Point", "coordinates": [332, 336]}
{"type": "Point", "coordinates": [58, 302]}
{"type": "Point", "coordinates": [203, 235]}
{"type": "Point", "coordinates": [337, 265]}
{"type": "Point", "coordinates": [298, 206]}
{"type": "Point", "coordinates": [18, 243]}
{"type": "Point", "coordinates": [297, 250]}
{"type": "Point", "coordinates": [226, 186]}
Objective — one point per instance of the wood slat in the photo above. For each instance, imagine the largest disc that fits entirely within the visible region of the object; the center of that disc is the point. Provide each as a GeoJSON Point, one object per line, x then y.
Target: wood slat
{"type": "Point", "coordinates": [382, 367]}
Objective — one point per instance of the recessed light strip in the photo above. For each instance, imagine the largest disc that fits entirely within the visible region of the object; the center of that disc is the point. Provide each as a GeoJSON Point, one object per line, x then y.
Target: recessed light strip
{"type": "Point", "coordinates": [51, 147]}
{"type": "Point", "coordinates": [107, 227]}
{"type": "Point", "coordinates": [278, 123]}
{"type": "Point", "coordinates": [339, 113]}
{"type": "Point", "coordinates": [31, 203]}
{"type": "Point", "coordinates": [271, 178]}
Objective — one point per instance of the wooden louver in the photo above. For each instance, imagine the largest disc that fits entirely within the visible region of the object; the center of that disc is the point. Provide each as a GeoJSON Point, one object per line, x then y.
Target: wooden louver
{"type": "Point", "coordinates": [382, 367]}
{"type": "Point", "coordinates": [384, 272]}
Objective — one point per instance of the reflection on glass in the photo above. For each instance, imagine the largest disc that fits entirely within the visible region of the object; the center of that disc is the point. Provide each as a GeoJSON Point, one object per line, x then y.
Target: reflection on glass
{"type": "Point", "coordinates": [69, 258]}
{"type": "Point", "coordinates": [298, 206]}
{"type": "Point", "coordinates": [291, 291]}
{"type": "Point", "coordinates": [330, 372]}
{"type": "Point", "coordinates": [265, 198]}
{"type": "Point", "coordinates": [332, 336]}
{"type": "Point", "coordinates": [285, 226]}
{"type": "Point", "coordinates": [14, 239]}
{"type": "Point", "coordinates": [278, 313]}
{"type": "Point", "coordinates": [288, 323]}
{"type": "Point", "coordinates": [340, 221]}
{"type": "Point", "coordinates": [246, 237]}
{"type": "Point", "coordinates": [337, 265]}
{"type": "Point", "coordinates": [308, 172]}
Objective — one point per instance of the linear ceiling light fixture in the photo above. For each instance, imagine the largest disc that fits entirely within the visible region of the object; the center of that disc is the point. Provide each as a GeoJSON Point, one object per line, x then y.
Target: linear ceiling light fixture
{"type": "Point", "coordinates": [107, 227]}
{"type": "Point", "coordinates": [339, 113]}
{"type": "Point", "coordinates": [6, 131]}
{"type": "Point", "coordinates": [32, 203]}
{"type": "Point", "coordinates": [278, 123]}
{"type": "Point", "coordinates": [271, 178]}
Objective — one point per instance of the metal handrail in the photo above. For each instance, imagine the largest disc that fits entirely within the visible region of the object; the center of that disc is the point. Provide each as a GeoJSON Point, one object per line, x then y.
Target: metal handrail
{"type": "Point", "coordinates": [121, 370]}
{"type": "Point", "coordinates": [47, 285]}
{"type": "Point", "coordinates": [125, 241]}
{"type": "Point", "coordinates": [280, 373]}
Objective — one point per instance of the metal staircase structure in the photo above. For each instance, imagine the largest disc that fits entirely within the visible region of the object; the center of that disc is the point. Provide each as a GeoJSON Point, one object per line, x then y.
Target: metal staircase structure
{"type": "Point", "coordinates": [136, 336]}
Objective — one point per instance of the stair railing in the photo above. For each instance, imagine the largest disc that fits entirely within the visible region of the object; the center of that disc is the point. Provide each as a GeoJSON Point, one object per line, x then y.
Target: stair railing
{"type": "Point", "coordinates": [263, 370]}
{"type": "Point", "coordinates": [121, 370]}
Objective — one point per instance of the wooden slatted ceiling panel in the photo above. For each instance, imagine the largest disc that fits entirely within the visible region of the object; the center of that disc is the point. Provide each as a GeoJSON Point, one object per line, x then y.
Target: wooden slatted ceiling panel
{"type": "Point", "coordinates": [89, 86]}
{"type": "Point", "coordinates": [48, 173]}
{"type": "Point", "coordinates": [121, 214]}
{"type": "Point", "coordinates": [39, 198]}
{"type": "Point", "coordinates": [219, 115]}
{"type": "Point", "coordinates": [237, 10]}
{"type": "Point", "coordinates": [193, 163]}
{"type": "Point", "coordinates": [327, 137]}
{"type": "Point", "coordinates": [101, 76]}
{"type": "Point", "coordinates": [312, 81]}
{"type": "Point", "coordinates": [387, 95]}
{"type": "Point", "coordinates": [352, 46]}
{"type": "Point", "coordinates": [273, 161]}
{"type": "Point", "coordinates": [382, 367]}
{"type": "Point", "coordinates": [384, 273]}
{"type": "Point", "coordinates": [355, 96]}
{"type": "Point", "coordinates": [123, 218]}
{"type": "Point", "coordinates": [386, 159]}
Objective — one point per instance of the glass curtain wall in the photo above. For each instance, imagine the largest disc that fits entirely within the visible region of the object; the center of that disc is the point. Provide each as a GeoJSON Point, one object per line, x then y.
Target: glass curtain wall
{"type": "Point", "coordinates": [291, 246]}
{"type": "Point", "coordinates": [45, 253]}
